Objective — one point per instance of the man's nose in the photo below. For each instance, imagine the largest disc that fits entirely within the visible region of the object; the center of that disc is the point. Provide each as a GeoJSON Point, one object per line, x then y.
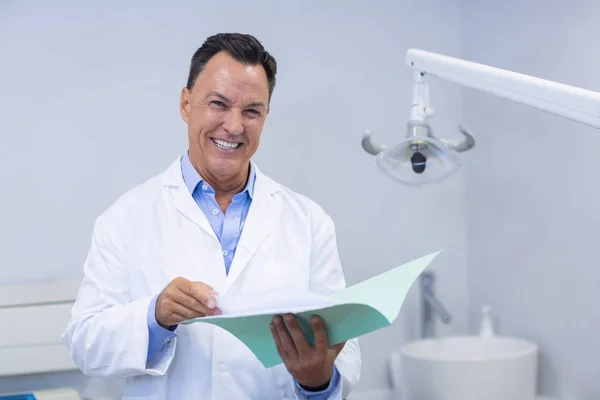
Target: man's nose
{"type": "Point", "coordinates": [234, 122]}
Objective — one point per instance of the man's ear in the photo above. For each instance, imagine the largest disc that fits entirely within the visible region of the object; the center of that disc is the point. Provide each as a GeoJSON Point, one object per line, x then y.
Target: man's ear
{"type": "Point", "coordinates": [184, 104]}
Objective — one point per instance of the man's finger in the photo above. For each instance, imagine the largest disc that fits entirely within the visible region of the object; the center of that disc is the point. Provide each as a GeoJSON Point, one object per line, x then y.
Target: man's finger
{"type": "Point", "coordinates": [201, 292]}
{"type": "Point", "coordinates": [297, 334]}
{"type": "Point", "coordinates": [187, 301]}
{"type": "Point", "coordinates": [183, 313]}
{"type": "Point", "coordinates": [321, 342]}
{"type": "Point", "coordinates": [190, 287]}
{"type": "Point", "coordinates": [199, 310]}
{"type": "Point", "coordinates": [173, 314]}
{"type": "Point", "coordinates": [201, 286]}
{"type": "Point", "coordinates": [282, 353]}
{"type": "Point", "coordinates": [286, 339]}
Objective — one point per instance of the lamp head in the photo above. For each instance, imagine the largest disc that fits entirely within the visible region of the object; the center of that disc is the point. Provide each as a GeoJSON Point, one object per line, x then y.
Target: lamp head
{"type": "Point", "coordinates": [420, 159]}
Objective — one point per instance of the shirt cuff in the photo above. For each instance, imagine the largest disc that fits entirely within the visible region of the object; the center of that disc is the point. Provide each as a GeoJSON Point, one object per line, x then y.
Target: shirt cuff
{"type": "Point", "coordinates": [158, 336]}
{"type": "Point", "coordinates": [323, 394]}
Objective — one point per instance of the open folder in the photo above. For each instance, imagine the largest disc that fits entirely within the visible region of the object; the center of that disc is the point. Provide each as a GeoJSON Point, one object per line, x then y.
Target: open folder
{"type": "Point", "coordinates": [352, 312]}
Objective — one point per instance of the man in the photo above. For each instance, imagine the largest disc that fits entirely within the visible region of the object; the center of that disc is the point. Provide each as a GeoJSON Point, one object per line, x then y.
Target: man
{"type": "Point", "coordinates": [211, 224]}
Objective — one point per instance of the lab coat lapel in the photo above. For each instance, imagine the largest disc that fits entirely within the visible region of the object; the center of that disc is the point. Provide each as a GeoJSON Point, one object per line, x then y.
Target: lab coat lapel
{"type": "Point", "coordinates": [183, 200]}
{"type": "Point", "coordinates": [264, 211]}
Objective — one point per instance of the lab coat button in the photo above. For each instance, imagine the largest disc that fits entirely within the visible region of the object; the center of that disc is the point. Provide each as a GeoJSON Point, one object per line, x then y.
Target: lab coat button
{"type": "Point", "coordinates": [222, 367]}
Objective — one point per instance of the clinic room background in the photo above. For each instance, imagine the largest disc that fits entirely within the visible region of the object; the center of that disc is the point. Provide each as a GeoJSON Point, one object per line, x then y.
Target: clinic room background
{"type": "Point", "coordinates": [89, 98]}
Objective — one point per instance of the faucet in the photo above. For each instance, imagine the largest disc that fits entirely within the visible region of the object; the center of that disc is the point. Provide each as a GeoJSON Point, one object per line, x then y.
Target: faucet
{"type": "Point", "coordinates": [430, 305]}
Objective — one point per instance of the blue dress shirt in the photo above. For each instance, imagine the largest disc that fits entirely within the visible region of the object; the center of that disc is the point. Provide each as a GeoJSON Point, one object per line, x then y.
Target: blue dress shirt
{"type": "Point", "coordinates": [228, 228]}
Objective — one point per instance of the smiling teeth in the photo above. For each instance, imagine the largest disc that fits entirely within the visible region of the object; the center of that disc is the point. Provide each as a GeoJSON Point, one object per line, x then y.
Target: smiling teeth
{"type": "Point", "coordinates": [225, 145]}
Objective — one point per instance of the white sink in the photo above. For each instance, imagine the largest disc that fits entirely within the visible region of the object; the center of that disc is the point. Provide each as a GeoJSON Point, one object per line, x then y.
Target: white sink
{"type": "Point", "coordinates": [469, 368]}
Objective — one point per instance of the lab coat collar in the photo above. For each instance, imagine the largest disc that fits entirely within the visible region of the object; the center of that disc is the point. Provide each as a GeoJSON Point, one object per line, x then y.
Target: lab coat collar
{"type": "Point", "coordinates": [264, 210]}
{"type": "Point", "coordinates": [174, 178]}
{"type": "Point", "coordinates": [192, 178]}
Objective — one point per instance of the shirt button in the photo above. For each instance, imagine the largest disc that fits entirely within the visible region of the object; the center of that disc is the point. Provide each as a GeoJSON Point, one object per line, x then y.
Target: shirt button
{"type": "Point", "coordinates": [168, 340]}
{"type": "Point", "coordinates": [225, 252]}
{"type": "Point", "coordinates": [215, 211]}
{"type": "Point", "coordinates": [204, 187]}
{"type": "Point", "coordinates": [222, 367]}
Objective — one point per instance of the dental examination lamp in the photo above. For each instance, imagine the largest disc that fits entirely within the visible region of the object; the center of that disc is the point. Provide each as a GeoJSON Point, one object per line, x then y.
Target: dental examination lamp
{"type": "Point", "coordinates": [422, 158]}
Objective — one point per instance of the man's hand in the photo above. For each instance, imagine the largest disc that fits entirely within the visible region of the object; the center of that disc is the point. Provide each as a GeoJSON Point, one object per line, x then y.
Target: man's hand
{"type": "Point", "coordinates": [312, 366]}
{"type": "Point", "coordinates": [182, 300]}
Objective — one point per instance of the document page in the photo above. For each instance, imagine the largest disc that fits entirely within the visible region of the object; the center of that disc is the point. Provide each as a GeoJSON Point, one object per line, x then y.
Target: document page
{"type": "Point", "coordinates": [368, 306]}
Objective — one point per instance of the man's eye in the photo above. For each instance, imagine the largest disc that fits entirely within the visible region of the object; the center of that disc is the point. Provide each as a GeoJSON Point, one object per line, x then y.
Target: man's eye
{"type": "Point", "coordinates": [253, 112]}
{"type": "Point", "coordinates": [218, 103]}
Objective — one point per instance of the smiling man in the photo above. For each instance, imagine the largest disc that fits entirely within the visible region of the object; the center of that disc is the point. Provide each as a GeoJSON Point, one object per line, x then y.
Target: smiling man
{"type": "Point", "coordinates": [211, 224]}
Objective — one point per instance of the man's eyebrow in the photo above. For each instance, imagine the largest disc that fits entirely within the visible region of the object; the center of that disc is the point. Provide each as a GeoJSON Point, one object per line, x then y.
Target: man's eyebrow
{"type": "Point", "coordinates": [256, 104]}
{"type": "Point", "coordinates": [219, 95]}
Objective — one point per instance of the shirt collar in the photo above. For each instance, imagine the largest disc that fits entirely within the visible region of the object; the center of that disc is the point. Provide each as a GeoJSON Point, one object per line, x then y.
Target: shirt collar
{"type": "Point", "coordinates": [192, 178]}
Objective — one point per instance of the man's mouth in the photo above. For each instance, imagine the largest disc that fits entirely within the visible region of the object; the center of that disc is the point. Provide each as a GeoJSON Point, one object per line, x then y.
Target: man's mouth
{"type": "Point", "coordinates": [222, 144]}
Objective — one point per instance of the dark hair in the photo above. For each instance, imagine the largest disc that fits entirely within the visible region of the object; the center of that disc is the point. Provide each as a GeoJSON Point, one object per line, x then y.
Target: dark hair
{"type": "Point", "coordinates": [243, 48]}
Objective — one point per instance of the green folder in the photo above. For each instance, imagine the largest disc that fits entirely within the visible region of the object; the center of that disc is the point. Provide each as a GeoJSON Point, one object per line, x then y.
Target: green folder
{"type": "Point", "coordinates": [352, 312]}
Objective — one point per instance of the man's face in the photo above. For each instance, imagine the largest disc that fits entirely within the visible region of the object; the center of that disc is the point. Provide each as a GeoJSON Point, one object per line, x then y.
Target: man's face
{"type": "Point", "coordinates": [225, 112]}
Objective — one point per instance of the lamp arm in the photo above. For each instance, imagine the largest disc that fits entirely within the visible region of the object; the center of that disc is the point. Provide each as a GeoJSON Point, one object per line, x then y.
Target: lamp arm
{"type": "Point", "coordinates": [570, 102]}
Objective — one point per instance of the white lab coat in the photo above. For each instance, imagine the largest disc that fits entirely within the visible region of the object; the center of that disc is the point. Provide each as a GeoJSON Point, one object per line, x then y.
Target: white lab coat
{"type": "Point", "coordinates": [155, 233]}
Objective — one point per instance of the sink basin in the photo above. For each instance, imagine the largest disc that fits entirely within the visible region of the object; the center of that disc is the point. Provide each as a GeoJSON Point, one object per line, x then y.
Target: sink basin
{"type": "Point", "coordinates": [469, 368]}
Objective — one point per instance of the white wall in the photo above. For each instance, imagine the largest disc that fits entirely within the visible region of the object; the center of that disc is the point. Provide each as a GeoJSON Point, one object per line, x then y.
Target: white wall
{"type": "Point", "coordinates": [90, 100]}
{"type": "Point", "coordinates": [533, 190]}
